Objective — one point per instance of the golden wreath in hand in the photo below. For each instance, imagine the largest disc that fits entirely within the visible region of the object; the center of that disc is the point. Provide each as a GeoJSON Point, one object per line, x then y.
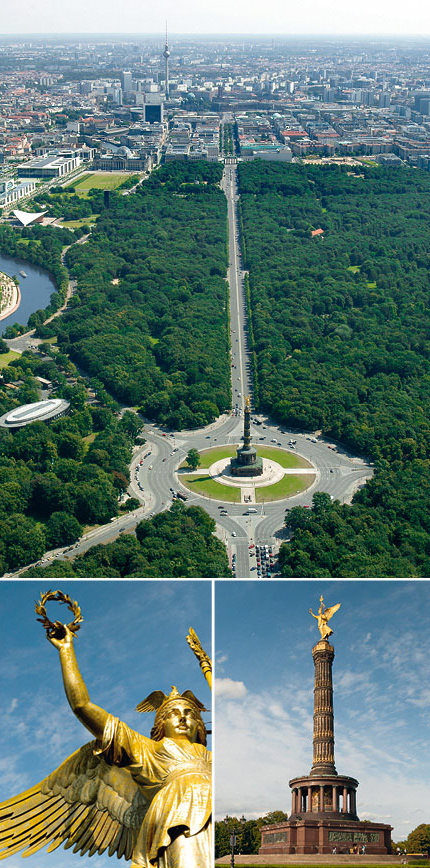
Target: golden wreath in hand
{"type": "Point", "coordinates": [55, 629]}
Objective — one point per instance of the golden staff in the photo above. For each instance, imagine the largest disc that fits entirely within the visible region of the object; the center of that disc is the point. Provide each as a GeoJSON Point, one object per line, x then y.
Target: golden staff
{"type": "Point", "coordinates": [203, 658]}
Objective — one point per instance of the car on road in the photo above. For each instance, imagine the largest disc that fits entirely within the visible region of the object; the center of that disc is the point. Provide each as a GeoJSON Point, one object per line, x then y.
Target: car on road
{"type": "Point", "coordinates": [233, 533]}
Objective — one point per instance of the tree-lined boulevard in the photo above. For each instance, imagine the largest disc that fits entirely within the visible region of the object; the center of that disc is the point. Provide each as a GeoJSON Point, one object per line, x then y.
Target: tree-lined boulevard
{"type": "Point", "coordinates": [338, 473]}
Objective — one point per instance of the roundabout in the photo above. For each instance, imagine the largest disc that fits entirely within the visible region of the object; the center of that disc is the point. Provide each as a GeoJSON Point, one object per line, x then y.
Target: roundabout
{"type": "Point", "coordinates": [284, 474]}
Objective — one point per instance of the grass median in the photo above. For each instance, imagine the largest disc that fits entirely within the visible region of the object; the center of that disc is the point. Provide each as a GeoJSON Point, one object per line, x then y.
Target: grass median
{"type": "Point", "coordinates": [208, 487]}
{"type": "Point", "coordinates": [288, 486]}
{"type": "Point", "coordinates": [285, 459]}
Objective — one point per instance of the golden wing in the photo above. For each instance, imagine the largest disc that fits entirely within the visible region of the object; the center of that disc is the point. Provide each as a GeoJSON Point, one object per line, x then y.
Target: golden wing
{"type": "Point", "coordinates": [328, 613]}
{"type": "Point", "coordinates": [85, 804]}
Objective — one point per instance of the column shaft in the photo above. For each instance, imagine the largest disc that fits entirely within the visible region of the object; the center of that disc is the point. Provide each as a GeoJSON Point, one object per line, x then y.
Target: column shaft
{"type": "Point", "coordinates": [323, 736]}
{"type": "Point", "coordinates": [345, 801]}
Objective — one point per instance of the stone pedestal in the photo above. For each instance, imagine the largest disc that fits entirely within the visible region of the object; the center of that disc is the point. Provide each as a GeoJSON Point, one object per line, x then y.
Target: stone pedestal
{"type": "Point", "coordinates": [306, 836]}
{"type": "Point", "coordinates": [247, 462]}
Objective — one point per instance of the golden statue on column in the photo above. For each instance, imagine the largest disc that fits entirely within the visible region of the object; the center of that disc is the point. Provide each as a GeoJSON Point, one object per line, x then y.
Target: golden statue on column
{"type": "Point", "coordinates": [324, 615]}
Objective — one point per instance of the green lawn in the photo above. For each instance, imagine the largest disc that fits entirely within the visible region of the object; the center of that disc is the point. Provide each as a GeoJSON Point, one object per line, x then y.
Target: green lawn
{"type": "Point", "coordinates": [314, 864]}
{"type": "Point", "coordinates": [80, 180]}
{"type": "Point", "coordinates": [84, 221]}
{"type": "Point", "coordinates": [210, 456]}
{"type": "Point", "coordinates": [282, 456]}
{"type": "Point", "coordinates": [5, 358]}
{"type": "Point", "coordinates": [286, 487]}
{"type": "Point", "coordinates": [208, 487]}
{"type": "Point", "coordinates": [100, 181]}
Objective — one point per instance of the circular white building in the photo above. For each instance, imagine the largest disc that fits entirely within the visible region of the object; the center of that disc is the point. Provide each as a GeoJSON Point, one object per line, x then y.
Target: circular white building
{"type": "Point", "coordinates": [40, 411]}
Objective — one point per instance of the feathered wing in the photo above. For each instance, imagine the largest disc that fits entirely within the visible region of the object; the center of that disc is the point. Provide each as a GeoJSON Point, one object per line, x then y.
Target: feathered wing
{"type": "Point", "coordinates": [328, 613]}
{"type": "Point", "coordinates": [85, 804]}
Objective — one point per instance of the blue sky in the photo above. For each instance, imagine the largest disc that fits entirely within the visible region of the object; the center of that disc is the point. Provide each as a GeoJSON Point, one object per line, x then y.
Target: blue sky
{"type": "Point", "coordinates": [264, 705]}
{"type": "Point", "coordinates": [132, 641]}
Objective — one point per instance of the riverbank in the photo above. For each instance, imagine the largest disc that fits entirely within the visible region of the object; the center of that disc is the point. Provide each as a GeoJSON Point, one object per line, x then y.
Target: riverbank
{"type": "Point", "coordinates": [10, 296]}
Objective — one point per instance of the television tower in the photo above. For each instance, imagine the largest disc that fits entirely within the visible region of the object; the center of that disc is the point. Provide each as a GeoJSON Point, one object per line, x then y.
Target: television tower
{"type": "Point", "coordinates": [166, 55]}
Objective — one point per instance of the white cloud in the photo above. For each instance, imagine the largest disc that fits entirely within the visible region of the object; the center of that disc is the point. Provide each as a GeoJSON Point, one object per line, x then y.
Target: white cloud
{"type": "Point", "coordinates": [230, 689]}
{"type": "Point", "coordinates": [258, 744]}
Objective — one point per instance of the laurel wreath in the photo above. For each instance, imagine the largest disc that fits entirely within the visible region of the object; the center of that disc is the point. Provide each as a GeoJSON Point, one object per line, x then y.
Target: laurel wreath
{"type": "Point", "coordinates": [55, 629]}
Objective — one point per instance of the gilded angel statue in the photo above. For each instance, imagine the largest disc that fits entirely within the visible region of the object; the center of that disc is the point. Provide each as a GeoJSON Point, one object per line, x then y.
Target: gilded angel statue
{"type": "Point", "coordinates": [146, 799]}
{"type": "Point", "coordinates": [324, 615]}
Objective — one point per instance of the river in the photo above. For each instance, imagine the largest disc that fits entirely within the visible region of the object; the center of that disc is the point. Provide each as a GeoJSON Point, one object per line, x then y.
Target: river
{"type": "Point", "coordinates": [36, 289]}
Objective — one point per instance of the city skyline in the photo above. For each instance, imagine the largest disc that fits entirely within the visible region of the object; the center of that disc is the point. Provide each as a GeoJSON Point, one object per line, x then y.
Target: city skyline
{"type": "Point", "coordinates": [264, 693]}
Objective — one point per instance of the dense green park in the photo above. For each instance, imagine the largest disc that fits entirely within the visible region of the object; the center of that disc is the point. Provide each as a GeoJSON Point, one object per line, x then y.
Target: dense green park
{"type": "Point", "coordinates": [149, 319]}
{"type": "Point", "coordinates": [146, 325]}
{"type": "Point", "coordinates": [178, 543]}
{"type": "Point", "coordinates": [58, 478]}
{"type": "Point", "coordinates": [338, 333]}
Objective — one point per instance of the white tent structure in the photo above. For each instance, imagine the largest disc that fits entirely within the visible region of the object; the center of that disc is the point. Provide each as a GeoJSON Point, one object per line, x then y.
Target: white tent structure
{"type": "Point", "coordinates": [27, 217]}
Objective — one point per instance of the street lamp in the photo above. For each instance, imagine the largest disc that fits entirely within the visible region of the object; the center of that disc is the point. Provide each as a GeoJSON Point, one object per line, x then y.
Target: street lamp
{"type": "Point", "coordinates": [233, 838]}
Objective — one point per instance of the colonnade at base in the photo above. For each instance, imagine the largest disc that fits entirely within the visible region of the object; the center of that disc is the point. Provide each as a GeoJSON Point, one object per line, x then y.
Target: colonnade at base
{"type": "Point", "coordinates": [313, 796]}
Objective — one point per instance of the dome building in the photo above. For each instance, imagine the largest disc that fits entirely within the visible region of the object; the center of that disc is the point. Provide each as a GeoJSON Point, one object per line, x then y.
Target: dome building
{"type": "Point", "coordinates": [40, 411]}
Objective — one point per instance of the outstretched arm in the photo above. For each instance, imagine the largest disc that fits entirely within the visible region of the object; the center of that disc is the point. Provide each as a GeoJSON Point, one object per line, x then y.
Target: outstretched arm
{"type": "Point", "coordinates": [92, 716]}
{"type": "Point", "coordinates": [314, 616]}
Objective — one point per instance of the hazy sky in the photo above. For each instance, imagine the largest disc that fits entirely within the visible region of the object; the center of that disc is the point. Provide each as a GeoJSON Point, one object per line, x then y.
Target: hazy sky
{"type": "Point", "coordinates": [242, 16]}
{"type": "Point", "coordinates": [131, 643]}
{"type": "Point", "coordinates": [264, 697]}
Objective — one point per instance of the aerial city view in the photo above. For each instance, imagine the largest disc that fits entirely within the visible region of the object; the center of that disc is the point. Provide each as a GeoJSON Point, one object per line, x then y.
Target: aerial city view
{"type": "Point", "coordinates": [214, 271]}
